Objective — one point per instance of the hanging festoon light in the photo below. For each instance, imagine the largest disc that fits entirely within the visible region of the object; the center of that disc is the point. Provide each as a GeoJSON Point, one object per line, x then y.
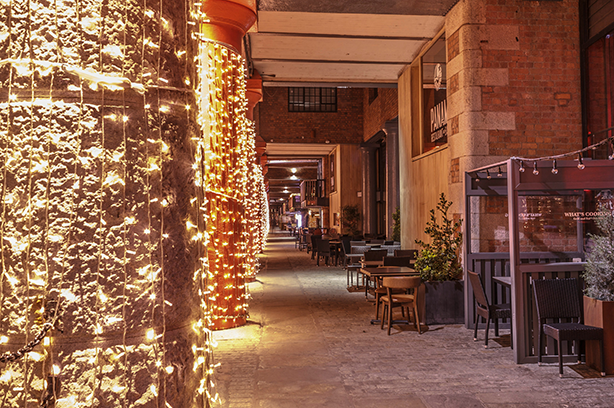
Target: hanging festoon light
{"type": "Point", "coordinates": [581, 164]}
{"type": "Point", "coordinates": [103, 272]}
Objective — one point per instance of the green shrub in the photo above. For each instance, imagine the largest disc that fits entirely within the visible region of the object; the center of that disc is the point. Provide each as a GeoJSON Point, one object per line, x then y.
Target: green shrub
{"type": "Point", "coordinates": [439, 260]}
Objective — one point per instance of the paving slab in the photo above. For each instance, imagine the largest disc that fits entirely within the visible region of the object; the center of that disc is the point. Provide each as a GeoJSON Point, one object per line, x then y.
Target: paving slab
{"type": "Point", "coordinates": [309, 343]}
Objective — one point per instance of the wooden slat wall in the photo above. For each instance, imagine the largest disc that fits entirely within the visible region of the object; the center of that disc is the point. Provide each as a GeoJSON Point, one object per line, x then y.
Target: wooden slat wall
{"type": "Point", "coordinates": [600, 16]}
{"type": "Point", "coordinates": [422, 179]}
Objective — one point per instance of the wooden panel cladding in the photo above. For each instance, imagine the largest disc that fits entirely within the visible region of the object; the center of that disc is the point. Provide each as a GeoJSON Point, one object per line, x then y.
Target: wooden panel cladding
{"type": "Point", "coordinates": [429, 178]}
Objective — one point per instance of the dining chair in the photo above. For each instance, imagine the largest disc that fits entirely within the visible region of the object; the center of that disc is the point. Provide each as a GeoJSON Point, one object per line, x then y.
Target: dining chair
{"type": "Point", "coordinates": [346, 248]}
{"type": "Point", "coordinates": [407, 300]}
{"type": "Point", "coordinates": [379, 289]}
{"type": "Point", "coordinates": [406, 252]}
{"type": "Point", "coordinates": [314, 245]}
{"type": "Point", "coordinates": [559, 300]}
{"type": "Point", "coordinates": [398, 260]}
{"type": "Point", "coordinates": [323, 251]}
{"type": "Point", "coordinates": [488, 311]}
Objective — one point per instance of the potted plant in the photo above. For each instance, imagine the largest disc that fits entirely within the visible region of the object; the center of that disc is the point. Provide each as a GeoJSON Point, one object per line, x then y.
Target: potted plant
{"type": "Point", "coordinates": [350, 217]}
{"type": "Point", "coordinates": [599, 280]}
{"type": "Point", "coordinates": [440, 268]}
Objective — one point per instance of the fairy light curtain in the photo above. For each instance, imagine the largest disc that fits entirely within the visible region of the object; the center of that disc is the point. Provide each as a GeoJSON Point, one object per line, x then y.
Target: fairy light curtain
{"type": "Point", "coordinates": [102, 226]}
{"type": "Point", "coordinates": [227, 156]}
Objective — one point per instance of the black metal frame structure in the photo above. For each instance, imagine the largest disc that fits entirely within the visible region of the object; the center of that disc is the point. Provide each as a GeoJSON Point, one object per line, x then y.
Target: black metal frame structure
{"type": "Point", "coordinates": [507, 179]}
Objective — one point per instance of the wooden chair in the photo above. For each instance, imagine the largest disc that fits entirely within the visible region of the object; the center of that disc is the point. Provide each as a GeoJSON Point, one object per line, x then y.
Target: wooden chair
{"type": "Point", "coordinates": [402, 300]}
{"type": "Point", "coordinates": [559, 299]}
{"type": "Point", "coordinates": [380, 290]}
{"type": "Point", "coordinates": [485, 309]}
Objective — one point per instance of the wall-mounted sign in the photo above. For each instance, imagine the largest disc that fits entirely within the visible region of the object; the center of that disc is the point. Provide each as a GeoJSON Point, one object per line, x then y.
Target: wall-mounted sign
{"type": "Point", "coordinates": [439, 122]}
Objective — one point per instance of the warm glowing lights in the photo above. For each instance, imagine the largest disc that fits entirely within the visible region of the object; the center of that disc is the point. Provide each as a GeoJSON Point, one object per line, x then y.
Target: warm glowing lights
{"type": "Point", "coordinates": [151, 334]}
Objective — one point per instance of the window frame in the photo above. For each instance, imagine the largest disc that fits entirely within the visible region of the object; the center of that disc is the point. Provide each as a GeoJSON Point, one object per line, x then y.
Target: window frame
{"type": "Point", "coordinates": [312, 99]}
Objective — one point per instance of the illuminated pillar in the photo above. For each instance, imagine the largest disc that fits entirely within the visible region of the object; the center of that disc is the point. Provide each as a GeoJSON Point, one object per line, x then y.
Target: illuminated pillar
{"type": "Point", "coordinates": [101, 210]}
{"type": "Point", "coordinates": [228, 155]}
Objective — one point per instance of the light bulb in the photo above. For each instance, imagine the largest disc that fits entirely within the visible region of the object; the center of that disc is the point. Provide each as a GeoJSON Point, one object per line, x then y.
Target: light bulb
{"type": "Point", "coordinates": [581, 165]}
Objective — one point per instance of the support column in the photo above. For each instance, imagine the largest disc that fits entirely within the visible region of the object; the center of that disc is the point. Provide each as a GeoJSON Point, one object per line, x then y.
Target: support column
{"type": "Point", "coordinates": [226, 146]}
{"type": "Point", "coordinates": [369, 216]}
{"type": "Point", "coordinates": [393, 195]}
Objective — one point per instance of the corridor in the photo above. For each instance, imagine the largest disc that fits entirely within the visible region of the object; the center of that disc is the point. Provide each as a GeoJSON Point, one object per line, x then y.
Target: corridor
{"type": "Point", "coordinates": [309, 343]}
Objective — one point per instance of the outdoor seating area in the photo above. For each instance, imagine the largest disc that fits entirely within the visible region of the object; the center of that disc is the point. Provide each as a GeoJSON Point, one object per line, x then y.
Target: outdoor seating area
{"type": "Point", "coordinates": [534, 238]}
{"type": "Point", "coordinates": [310, 332]}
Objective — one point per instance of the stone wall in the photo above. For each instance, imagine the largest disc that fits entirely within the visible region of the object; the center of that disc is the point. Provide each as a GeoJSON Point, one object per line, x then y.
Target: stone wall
{"type": "Point", "coordinates": [97, 182]}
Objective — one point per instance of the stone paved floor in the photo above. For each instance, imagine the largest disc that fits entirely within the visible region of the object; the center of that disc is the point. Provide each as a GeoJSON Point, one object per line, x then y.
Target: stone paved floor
{"type": "Point", "coordinates": [309, 343]}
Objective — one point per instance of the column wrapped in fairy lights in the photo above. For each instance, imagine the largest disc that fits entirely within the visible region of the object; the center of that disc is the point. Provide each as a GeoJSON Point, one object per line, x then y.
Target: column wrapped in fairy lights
{"type": "Point", "coordinates": [223, 110]}
{"type": "Point", "coordinates": [228, 149]}
{"type": "Point", "coordinates": [101, 221]}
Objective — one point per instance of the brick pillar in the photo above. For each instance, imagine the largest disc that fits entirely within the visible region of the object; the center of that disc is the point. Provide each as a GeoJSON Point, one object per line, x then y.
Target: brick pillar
{"type": "Point", "coordinates": [513, 82]}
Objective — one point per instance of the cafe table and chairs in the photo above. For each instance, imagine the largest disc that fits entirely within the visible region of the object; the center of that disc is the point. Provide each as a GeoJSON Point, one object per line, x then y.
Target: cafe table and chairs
{"type": "Point", "coordinates": [380, 272]}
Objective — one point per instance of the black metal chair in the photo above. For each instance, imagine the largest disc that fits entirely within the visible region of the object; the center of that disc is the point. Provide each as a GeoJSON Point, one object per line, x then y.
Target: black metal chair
{"type": "Point", "coordinates": [486, 310]}
{"type": "Point", "coordinates": [398, 260]}
{"type": "Point", "coordinates": [406, 252]}
{"type": "Point", "coordinates": [314, 245]}
{"type": "Point", "coordinates": [559, 299]}
{"type": "Point", "coordinates": [323, 251]}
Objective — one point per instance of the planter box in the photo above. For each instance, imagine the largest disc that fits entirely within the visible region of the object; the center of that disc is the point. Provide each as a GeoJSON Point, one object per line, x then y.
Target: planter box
{"type": "Point", "coordinates": [442, 303]}
{"type": "Point", "coordinates": [600, 313]}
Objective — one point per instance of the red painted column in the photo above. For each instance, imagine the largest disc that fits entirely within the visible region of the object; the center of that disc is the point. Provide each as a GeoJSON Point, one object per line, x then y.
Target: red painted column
{"type": "Point", "coordinates": [228, 21]}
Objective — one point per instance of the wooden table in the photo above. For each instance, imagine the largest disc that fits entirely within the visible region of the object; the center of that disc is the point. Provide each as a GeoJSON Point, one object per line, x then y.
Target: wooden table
{"type": "Point", "coordinates": [382, 271]}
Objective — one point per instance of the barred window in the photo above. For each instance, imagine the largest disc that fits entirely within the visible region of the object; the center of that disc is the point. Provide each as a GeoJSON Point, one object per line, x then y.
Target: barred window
{"type": "Point", "coordinates": [312, 99]}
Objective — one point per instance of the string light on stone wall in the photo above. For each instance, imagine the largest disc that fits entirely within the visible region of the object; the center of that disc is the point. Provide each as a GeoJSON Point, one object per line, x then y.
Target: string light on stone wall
{"type": "Point", "coordinates": [96, 188]}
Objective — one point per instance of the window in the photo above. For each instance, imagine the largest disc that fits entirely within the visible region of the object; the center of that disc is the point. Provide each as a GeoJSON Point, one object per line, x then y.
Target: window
{"type": "Point", "coordinates": [312, 99]}
{"type": "Point", "coordinates": [434, 96]}
{"type": "Point", "coordinates": [429, 90]}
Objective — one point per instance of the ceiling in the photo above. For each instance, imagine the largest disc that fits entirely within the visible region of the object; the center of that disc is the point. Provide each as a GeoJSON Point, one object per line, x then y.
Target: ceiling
{"type": "Point", "coordinates": [361, 43]}
{"type": "Point", "coordinates": [344, 42]}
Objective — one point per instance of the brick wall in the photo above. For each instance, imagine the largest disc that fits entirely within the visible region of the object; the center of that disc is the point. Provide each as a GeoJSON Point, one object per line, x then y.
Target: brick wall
{"type": "Point", "coordinates": [277, 125]}
{"type": "Point", "coordinates": [384, 108]}
{"type": "Point", "coordinates": [543, 88]}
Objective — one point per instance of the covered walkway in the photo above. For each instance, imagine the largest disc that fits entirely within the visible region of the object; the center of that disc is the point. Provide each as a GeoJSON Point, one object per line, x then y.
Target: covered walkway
{"type": "Point", "coordinates": [309, 343]}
